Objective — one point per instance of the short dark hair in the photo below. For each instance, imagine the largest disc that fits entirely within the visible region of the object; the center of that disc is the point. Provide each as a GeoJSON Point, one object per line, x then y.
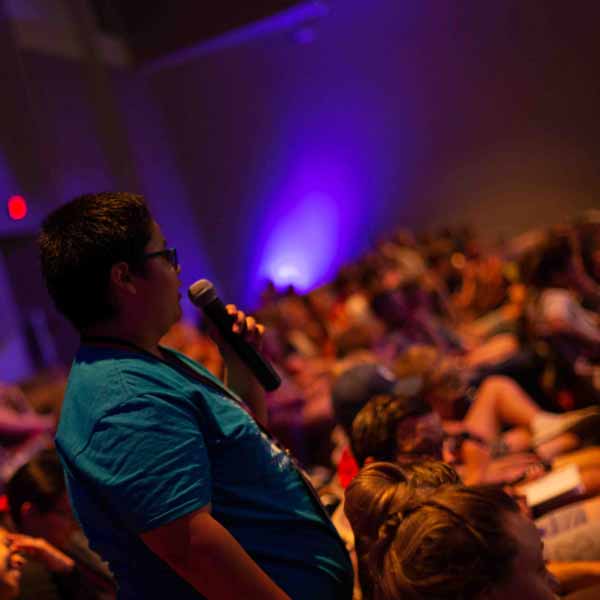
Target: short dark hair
{"type": "Point", "coordinates": [374, 427]}
{"type": "Point", "coordinates": [81, 241]}
{"type": "Point", "coordinates": [40, 481]}
{"type": "Point", "coordinates": [552, 258]}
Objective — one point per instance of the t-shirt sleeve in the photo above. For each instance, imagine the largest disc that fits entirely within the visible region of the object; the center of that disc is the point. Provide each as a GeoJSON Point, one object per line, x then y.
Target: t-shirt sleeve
{"type": "Point", "coordinates": [149, 460]}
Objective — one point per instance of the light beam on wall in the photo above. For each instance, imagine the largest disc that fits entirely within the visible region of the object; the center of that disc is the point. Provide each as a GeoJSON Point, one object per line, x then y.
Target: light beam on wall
{"type": "Point", "coordinates": [311, 221]}
{"type": "Point", "coordinates": [301, 248]}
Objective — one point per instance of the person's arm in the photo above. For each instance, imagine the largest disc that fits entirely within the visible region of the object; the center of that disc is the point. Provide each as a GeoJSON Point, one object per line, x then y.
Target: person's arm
{"type": "Point", "coordinates": [237, 376]}
{"type": "Point", "coordinates": [15, 424]}
{"type": "Point", "coordinates": [575, 575]}
{"type": "Point", "coordinates": [51, 575]}
{"type": "Point", "coordinates": [38, 548]}
{"type": "Point", "coordinates": [207, 556]}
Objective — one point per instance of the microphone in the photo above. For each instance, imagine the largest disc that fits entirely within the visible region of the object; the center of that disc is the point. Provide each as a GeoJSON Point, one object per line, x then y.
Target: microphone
{"type": "Point", "coordinates": [204, 296]}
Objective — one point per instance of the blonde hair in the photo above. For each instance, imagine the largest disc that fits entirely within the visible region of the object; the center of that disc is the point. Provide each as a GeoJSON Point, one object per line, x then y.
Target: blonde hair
{"type": "Point", "coordinates": [419, 541]}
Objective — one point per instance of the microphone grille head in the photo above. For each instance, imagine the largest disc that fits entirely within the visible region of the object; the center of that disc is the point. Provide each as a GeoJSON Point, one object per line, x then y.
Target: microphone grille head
{"type": "Point", "coordinates": [202, 292]}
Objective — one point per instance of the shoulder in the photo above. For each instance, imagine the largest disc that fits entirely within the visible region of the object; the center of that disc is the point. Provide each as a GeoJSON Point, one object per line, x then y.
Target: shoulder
{"type": "Point", "coordinates": [108, 377]}
{"type": "Point", "coordinates": [111, 393]}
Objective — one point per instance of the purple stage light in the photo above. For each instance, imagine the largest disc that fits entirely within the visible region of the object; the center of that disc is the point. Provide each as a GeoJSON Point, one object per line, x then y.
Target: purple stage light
{"type": "Point", "coordinates": [312, 221]}
{"type": "Point", "coordinates": [301, 248]}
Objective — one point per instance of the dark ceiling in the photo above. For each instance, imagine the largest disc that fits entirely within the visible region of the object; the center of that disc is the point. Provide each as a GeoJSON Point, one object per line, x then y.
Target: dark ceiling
{"type": "Point", "coordinates": [154, 28]}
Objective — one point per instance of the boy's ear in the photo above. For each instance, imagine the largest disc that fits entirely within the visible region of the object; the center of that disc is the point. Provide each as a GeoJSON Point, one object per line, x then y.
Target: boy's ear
{"type": "Point", "coordinates": [121, 278]}
{"type": "Point", "coordinates": [26, 510]}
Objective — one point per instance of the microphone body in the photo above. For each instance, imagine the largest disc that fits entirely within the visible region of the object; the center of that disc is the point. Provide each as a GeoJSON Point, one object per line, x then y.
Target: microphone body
{"type": "Point", "coordinates": [204, 296]}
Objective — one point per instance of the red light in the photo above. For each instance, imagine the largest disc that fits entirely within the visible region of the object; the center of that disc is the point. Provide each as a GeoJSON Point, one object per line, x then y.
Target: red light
{"type": "Point", "coordinates": [17, 208]}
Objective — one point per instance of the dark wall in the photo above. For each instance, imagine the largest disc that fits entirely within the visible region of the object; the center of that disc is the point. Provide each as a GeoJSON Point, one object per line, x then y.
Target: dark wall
{"type": "Point", "coordinates": [398, 112]}
{"type": "Point", "coordinates": [281, 159]}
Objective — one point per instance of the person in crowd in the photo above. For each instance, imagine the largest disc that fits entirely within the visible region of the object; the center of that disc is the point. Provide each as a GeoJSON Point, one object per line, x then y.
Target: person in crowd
{"type": "Point", "coordinates": [563, 331]}
{"type": "Point", "coordinates": [396, 429]}
{"type": "Point", "coordinates": [373, 486]}
{"type": "Point", "coordinates": [480, 445]}
{"type": "Point", "coordinates": [23, 432]}
{"type": "Point", "coordinates": [20, 556]}
{"type": "Point", "coordinates": [175, 482]}
{"type": "Point", "coordinates": [459, 542]}
{"type": "Point", "coordinates": [392, 427]}
{"type": "Point", "coordinates": [39, 507]}
{"type": "Point", "coordinates": [553, 273]}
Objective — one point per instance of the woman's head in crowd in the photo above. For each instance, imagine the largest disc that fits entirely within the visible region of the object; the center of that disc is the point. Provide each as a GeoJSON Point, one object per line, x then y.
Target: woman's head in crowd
{"type": "Point", "coordinates": [418, 542]}
{"type": "Point", "coordinates": [38, 500]}
{"type": "Point", "coordinates": [378, 490]}
{"type": "Point", "coordinates": [382, 486]}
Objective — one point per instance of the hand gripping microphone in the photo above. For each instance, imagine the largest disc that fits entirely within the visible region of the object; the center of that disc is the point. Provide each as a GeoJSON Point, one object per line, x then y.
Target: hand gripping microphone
{"type": "Point", "coordinates": [204, 296]}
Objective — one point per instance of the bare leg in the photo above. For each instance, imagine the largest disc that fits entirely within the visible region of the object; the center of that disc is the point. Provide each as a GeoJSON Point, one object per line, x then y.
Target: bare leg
{"type": "Point", "coordinates": [475, 461]}
{"type": "Point", "coordinates": [566, 442]}
{"type": "Point", "coordinates": [590, 475]}
{"type": "Point", "coordinates": [519, 440]}
{"type": "Point", "coordinates": [499, 401]}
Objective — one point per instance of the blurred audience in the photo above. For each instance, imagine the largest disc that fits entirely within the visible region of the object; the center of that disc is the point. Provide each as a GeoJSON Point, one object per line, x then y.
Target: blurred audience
{"type": "Point", "coordinates": [432, 347]}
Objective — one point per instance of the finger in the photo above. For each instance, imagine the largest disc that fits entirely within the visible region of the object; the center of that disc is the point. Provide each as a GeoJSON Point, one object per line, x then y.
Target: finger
{"type": "Point", "coordinates": [240, 322]}
{"type": "Point", "coordinates": [251, 324]}
{"type": "Point", "coordinates": [23, 542]}
{"type": "Point", "coordinates": [250, 333]}
{"type": "Point", "coordinates": [254, 330]}
{"type": "Point", "coordinates": [25, 547]}
{"type": "Point", "coordinates": [231, 309]}
{"type": "Point", "coordinates": [16, 538]}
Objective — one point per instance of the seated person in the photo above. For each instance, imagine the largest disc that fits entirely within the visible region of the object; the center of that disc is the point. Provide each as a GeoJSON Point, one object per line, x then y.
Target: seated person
{"type": "Point", "coordinates": [498, 401]}
{"type": "Point", "coordinates": [352, 389]}
{"type": "Point", "coordinates": [469, 543]}
{"type": "Point", "coordinates": [23, 432]}
{"type": "Point", "coordinates": [15, 575]}
{"type": "Point", "coordinates": [404, 430]}
{"type": "Point", "coordinates": [563, 332]}
{"type": "Point", "coordinates": [40, 508]}
{"type": "Point", "coordinates": [425, 476]}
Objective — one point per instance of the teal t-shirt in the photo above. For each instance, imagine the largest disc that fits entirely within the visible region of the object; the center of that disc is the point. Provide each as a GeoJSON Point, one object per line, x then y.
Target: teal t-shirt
{"type": "Point", "coordinates": [143, 444]}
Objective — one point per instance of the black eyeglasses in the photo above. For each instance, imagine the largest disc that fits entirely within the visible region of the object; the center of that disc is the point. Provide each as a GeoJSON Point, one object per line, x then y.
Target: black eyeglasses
{"type": "Point", "coordinates": [169, 253]}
